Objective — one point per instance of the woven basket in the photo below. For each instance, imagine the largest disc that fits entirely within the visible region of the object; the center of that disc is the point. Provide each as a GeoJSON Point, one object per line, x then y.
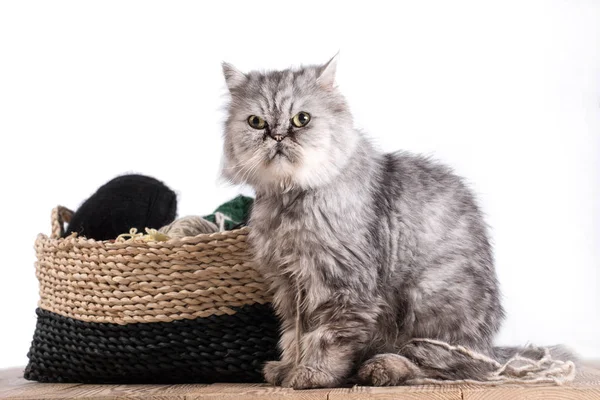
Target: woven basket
{"type": "Point", "coordinates": [186, 310]}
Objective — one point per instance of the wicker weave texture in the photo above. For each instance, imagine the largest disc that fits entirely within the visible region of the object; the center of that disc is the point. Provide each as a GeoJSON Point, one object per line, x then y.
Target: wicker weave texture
{"type": "Point", "coordinates": [131, 282]}
{"type": "Point", "coordinates": [230, 348]}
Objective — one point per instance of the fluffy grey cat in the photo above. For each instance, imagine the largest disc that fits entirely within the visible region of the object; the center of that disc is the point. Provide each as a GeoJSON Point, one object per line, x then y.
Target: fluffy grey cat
{"type": "Point", "coordinates": [365, 250]}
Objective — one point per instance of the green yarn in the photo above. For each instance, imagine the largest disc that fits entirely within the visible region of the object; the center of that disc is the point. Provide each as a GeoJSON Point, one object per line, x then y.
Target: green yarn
{"type": "Point", "coordinates": [236, 211]}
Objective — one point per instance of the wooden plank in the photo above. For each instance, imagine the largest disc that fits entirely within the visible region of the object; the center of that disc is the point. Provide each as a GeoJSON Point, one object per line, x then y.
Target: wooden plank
{"type": "Point", "coordinates": [220, 391]}
{"type": "Point", "coordinates": [530, 393]}
{"type": "Point", "coordinates": [397, 392]}
{"type": "Point", "coordinates": [110, 392]}
{"type": "Point", "coordinates": [36, 390]}
{"type": "Point", "coordinates": [12, 386]}
{"type": "Point", "coordinates": [586, 387]}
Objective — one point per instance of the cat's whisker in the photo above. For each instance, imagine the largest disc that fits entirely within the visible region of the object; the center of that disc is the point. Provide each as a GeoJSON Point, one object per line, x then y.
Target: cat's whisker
{"type": "Point", "coordinates": [251, 166]}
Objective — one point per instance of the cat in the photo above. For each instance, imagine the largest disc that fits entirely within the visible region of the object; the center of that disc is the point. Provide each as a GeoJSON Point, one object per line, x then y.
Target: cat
{"type": "Point", "coordinates": [364, 250]}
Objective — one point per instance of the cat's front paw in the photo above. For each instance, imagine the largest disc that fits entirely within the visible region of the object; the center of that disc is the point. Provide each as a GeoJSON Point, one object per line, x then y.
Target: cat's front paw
{"type": "Point", "coordinates": [387, 370]}
{"type": "Point", "coordinates": [304, 377]}
{"type": "Point", "coordinates": [276, 372]}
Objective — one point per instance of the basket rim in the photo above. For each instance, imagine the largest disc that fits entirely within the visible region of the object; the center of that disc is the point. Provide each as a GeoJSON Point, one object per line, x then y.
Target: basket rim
{"type": "Point", "coordinates": [202, 237]}
{"type": "Point", "coordinates": [61, 214]}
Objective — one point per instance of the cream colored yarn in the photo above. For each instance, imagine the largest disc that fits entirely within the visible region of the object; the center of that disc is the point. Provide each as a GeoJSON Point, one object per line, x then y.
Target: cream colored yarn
{"type": "Point", "coordinates": [192, 225]}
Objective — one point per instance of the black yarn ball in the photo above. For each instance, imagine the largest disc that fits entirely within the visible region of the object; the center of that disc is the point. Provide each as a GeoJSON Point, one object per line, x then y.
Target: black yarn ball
{"type": "Point", "coordinates": [129, 201]}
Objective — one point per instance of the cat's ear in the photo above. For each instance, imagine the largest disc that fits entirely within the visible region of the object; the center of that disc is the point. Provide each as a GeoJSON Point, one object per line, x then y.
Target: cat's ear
{"type": "Point", "coordinates": [326, 76]}
{"type": "Point", "coordinates": [233, 76]}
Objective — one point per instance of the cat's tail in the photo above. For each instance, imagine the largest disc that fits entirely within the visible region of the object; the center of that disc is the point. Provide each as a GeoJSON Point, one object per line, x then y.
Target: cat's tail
{"type": "Point", "coordinates": [438, 360]}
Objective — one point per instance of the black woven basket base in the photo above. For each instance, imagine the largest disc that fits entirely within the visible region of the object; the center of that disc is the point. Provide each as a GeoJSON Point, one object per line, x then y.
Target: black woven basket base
{"type": "Point", "coordinates": [227, 348]}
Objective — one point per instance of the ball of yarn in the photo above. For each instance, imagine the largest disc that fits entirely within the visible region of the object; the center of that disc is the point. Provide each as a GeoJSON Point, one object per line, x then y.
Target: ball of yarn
{"type": "Point", "coordinates": [191, 225]}
{"type": "Point", "coordinates": [128, 201]}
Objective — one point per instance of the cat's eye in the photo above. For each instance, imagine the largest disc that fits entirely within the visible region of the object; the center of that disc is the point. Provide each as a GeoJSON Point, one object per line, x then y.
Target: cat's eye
{"type": "Point", "coordinates": [256, 122]}
{"type": "Point", "coordinates": [301, 119]}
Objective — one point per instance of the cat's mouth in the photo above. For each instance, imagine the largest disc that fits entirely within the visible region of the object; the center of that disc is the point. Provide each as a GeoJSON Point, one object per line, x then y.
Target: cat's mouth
{"type": "Point", "coordinates": [278, 152]}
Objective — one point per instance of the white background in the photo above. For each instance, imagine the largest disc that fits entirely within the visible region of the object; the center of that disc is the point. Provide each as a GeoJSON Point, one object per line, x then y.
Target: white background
{"type": "Point", "coordinates": [506, 92]}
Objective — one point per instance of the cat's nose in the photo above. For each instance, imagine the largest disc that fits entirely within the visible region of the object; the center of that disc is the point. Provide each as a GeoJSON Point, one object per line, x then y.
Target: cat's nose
{"type": "Point", "coordinates": [277, 137]}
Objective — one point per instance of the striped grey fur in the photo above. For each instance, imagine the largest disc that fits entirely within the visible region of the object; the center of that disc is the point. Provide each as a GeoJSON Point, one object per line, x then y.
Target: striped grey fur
{"type": "Point", "coordinates": [373, 249]}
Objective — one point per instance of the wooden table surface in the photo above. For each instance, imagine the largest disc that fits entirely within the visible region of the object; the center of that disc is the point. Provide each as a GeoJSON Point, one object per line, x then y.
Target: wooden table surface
{"type": "Point", "coordinates": [13, 386]}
